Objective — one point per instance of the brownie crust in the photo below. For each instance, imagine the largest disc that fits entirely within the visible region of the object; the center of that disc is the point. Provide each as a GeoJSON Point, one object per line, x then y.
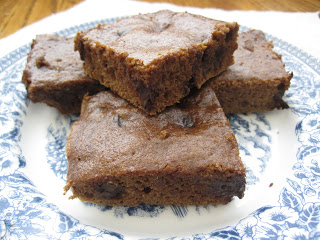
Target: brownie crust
{"type": "Point", "coordinates": [256, 81]}
{"type": "Point", "coordinates": [153, 60]}
{"type": "Point", "coordinates": [54, 74]}
{"type": "Point", "coordinates": [119, 155]}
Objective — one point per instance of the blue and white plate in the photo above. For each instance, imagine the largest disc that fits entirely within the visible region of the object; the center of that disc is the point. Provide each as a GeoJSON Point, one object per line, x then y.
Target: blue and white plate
{"type": "Point", "coordinates": [281, 150]}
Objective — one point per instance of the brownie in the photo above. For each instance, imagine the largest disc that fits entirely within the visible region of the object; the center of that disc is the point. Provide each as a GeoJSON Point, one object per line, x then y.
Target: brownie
{"type": "Point", "coordinates": [187, 154]}
{"type": "Point", "coordinates": [54, 74]}
{"type": "Point", "coordinates": [153, 60]}
{"type": "Point", "coordinates": [256, 81]}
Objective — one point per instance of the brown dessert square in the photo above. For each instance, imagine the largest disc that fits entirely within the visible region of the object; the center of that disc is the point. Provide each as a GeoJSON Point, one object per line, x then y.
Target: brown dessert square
{"type": "Point", "coordinates": [54, 74]}
{"type": "Point", "coordinates": [187, 154]}
{"type": "Point", "coordinates": [153, 60]}
{"type": "Point", "coordinates": [256, 81]}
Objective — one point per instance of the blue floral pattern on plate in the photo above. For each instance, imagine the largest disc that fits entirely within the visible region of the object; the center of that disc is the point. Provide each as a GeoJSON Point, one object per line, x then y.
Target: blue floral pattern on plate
{"type": "Point", "coordinates": [25, 211]}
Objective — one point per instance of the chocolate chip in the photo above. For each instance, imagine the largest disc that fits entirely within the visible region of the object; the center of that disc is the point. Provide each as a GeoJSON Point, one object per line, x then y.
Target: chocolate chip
{"type": "Point", "coordinates": [108, 190]}
{"type": "Point", "coordinates": [147, 190]}
{"type": "Point", "coordinates": [147, 94]}
{"type": "Point", "coordinates": [222, 187]}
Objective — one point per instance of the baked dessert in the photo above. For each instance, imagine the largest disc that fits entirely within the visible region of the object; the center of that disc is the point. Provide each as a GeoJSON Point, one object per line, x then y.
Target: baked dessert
{"type": "Point", "coordinates": [187, 154]}
{"type": "Point", "coordinates": [54, 74]}
{"type": "Point", "coordinates": [153, 60]}
{"type": "Point", "coordinates": [256, 81]}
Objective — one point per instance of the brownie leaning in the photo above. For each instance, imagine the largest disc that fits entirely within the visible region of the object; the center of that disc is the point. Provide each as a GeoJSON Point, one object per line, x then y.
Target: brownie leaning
{"type": "Point", "coordinates": [256, 81]}
{"type": "Point", "coordinates": [187, 154]}
{"type": "Point", "coordinates": [54, 74]}
{"type": "Point", "coordinates": [153, 60]}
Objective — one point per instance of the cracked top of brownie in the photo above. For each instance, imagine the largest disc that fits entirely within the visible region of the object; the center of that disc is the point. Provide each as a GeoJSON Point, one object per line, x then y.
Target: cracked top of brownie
{"type": "Point", "coordinates": [149, 36]}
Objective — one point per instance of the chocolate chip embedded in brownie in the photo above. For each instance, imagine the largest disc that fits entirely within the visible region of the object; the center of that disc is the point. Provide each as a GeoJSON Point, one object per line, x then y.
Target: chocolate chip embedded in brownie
{"type": "Point", "coordinates": [187, 154]}
{"type": "Point", "coordinates": [256, 81]}
{"type": "Point", "coordinates": [54, 74]}
{"type": "Point", "coordinates": [153, 60]}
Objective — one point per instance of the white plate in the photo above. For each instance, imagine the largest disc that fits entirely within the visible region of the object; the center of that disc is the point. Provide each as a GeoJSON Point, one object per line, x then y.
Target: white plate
{"type": "Point", "coordinates": [281, 150]}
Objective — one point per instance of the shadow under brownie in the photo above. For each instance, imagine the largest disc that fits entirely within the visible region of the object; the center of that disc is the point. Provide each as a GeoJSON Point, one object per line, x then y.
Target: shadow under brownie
{"type": "Point", "coordinates": [186, 155]}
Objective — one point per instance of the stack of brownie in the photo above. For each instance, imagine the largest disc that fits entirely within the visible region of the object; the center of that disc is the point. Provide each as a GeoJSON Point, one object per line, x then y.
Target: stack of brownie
{"type": "Point", "coordinates": [155, 89]}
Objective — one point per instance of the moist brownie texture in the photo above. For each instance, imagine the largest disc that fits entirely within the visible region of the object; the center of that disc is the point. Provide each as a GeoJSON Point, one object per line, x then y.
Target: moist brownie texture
{"type": "Point", "coordinates": [187, 154]}
{"type": "Point", "coordinates": [153, 60]}
{"type": "Point", "coordinates": [256, 81]}
{"type": "Point", "coordinates": [54, 74]}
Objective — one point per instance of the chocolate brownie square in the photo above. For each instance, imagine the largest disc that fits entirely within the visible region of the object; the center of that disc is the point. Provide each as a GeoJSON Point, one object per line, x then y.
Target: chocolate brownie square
{"type": "Point", "coordinates": [256, 81]}
{"type": "Point", "coordinates": [54, 74]}
{"type": "Point", "coordinates": [187, 154]}
{"type": "Point", "coordinates": [153, 60]}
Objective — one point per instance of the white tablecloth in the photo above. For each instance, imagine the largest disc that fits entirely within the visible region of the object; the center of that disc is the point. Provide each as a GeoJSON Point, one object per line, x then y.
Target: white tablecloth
{"type": "Point", "coordinates": [299, 29]}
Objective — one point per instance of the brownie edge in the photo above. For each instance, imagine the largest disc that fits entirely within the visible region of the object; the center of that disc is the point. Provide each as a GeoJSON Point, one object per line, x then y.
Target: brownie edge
{"type": "Point", "coordinates": [153, 60]}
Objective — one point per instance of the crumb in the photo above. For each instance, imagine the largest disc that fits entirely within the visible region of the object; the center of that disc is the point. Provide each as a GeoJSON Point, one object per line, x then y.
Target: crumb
{"type": "Point", "coordinates": [271, 184]}
{"type": "Point", "coordinates": [164, 134]}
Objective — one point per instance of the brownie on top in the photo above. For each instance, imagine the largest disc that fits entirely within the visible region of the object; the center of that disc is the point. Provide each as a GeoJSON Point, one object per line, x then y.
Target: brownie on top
{"type": "Point", "coordinates": [54, 74]}
{"type": "Point", "coordinates": [256, 81]}
{"type": "Point", "coordinates": [187, 154]}
{"type": "Point", "coordinates": [153, 60]}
